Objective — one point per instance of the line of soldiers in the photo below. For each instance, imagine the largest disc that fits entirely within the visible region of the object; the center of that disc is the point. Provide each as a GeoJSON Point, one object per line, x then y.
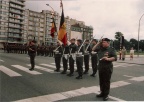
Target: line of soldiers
{"type": "Point", "coordinates": [43, 50]}
{"type": "Point", "coordinates": [15, 48]}
{"type": "Point", "coordinates": [78, 52]}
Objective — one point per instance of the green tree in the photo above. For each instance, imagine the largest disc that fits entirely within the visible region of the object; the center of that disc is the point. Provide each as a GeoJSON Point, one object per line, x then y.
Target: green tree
{"type": "Point", "coordinates": [118, 35]}
{"type": "Point", "coordinates": [133, 43]}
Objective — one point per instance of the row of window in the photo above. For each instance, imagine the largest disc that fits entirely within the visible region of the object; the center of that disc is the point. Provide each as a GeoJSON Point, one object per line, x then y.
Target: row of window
{"type": "Point", "coordinates": [4, 13]}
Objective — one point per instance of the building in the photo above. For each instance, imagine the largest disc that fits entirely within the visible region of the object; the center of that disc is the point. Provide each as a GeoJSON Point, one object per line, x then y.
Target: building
{"type": "Point", "coordinates": [11, 21]}
{"type": "Point", "coordinates": [34, 26]}
{"type": "Point", "coordinates": [80, 31]}
{"type": "Point", "coordinates": [48, 19]}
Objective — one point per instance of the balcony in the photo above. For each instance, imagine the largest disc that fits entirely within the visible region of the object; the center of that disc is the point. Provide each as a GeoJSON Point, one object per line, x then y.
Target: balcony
{"type": "Point", "coordinates": [17, 2]}
{"type": "Point", "coordinates": [16, 22]}
{"type": "Point", "coordinates": [16, 17]}
{"type": "Point", "coordinates": [14, 31]}
{"type": "Point", "coordinates": [16, 12]}
{"type": "Point", "coordinates": [16, 7]}
{"type": "Point", "coordinates": [16, 27]}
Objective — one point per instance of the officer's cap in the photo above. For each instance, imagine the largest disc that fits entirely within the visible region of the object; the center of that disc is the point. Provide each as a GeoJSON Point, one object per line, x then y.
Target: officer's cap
{"type": "Point", "coordinates": [105, 39]}
{"type": "Point", "coordinates": [73, 39]}
{"type": "Point", "coordinates": [87, 40]}
{"type": "Point", "coordinates": [79, 40]}
{"type": "Point", "coordinates": [94, 40]}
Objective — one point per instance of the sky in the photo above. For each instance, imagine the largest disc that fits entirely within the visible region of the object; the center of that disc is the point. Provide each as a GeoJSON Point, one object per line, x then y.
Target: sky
{"type": "Point", "coordinates": [105, 16]}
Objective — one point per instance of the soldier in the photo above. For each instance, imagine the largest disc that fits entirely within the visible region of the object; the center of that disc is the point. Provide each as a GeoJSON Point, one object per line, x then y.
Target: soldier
{"type": "Point", "coordinates": [79, 58]}
{"type": "Point", "coordinates": [106, 55]}
{"type": "Point", "coordinates": [94, 58]}
{"type": "Point", "coordinates": [86, 56]}
{"type": "Point", "coordinates": [72, 57]}
{"type": "Point", "coordinates": [32, 54]}
{"type": "Point", "coordinates": [58, 55]}
{"type": "Point", "coordinates": [65, 58]}
{"type": "Point", "coordinates": [51, 50]}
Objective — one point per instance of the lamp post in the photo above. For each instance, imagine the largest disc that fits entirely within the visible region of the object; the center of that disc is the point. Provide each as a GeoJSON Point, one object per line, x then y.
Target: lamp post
{"type": "Point", "coordinates": [52, 13]}
{"type": "Point", "coordinates": [139, 32]}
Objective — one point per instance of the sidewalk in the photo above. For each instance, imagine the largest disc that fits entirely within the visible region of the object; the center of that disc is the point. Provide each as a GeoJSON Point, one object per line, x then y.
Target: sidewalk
{"type": "Point", "coordinates": [136, 60]}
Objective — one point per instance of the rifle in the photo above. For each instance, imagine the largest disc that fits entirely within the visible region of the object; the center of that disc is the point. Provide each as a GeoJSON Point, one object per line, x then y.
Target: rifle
{"type": "Point", "coordinates": [97, 43]}
{"type": "Point", "coordinates": [89, 44]}
{"type": "Point", "coordinates": [81, 45]}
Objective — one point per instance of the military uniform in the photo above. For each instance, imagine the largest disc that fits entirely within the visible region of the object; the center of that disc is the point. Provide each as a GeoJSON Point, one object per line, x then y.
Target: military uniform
{"type": "Point", "coordinates": [72, 57]}
{"type": "Point", "coordinates": [86, 58]}
{"type": "Point", "coordinates": [79, 60]}
{"type": "Point", "coordinates": [58, 55]}
{"type": "Point", "coordinates": [32, 54]}
{"type": "Point", "coordinates": [94, 61]}
{"type": "Point", "coordinates": [65, 58]}
{"type": "Point", "coordinates": [105, 69]}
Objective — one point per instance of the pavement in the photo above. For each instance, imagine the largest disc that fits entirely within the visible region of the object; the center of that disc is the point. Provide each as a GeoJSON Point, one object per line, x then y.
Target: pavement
{"type": "Point", "coordinates": [136, 60]}
{"type": "Point", "coordinates": [18, 84]}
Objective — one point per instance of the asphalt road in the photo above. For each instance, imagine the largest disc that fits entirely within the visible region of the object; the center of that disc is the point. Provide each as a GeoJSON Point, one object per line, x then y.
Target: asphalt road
{"type": "Point", "coordinates": [18, 84]}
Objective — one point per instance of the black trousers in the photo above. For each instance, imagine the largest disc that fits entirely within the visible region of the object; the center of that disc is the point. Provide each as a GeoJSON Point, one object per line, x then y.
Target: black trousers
{"type": "Point", "coordinates": [94, 64]}
{"type": "Point", "coordinates": [65, 64]}
{"type": "Point", "coordinates": [71, 65]}
{"type": "Point", "coordinates": [57, 62]}
{"type": "Point", "coordinates": [86, 62]}
{"type": "Point", "coordinates": [79, 63]}
{"type": "Point", "coordinates": [32, 60]}
{"type": "Point", "coordinates": [104, 80]}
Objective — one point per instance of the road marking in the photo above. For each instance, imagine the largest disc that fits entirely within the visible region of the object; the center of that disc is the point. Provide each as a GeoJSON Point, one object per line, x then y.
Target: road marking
{"type": "Point", "coordinates": [43, 69]}
{"type": "Point", "coordinates": [130, 65]}
{"type": "Point", "coordinates": [9, 72]}
{"type": "Point", "coordinates": [119, 84]}
{"type": "Point", "coordinates": [73, 93]}
{"type": "Point", "coordinates": [128, 76]}
{"type": "Point", "coordinates": [48, 65]}
{"type": "Point", "coordinates": [139, 79]}
{"type": "Point", "coordinates": [26, 69]}
{"type": "Point", "coordinates": [1, 60]}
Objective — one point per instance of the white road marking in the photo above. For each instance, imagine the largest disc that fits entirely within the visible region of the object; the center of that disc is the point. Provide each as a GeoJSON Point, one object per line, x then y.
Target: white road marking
{"type": "Point", "coordinates": [128, 76]}
{"type": "Point", "coordinates": [119, 84]}
{"type": "Point", "coordinates": [26, 69]}
{"type": "Point", "coordinates": [1, 60]}
{"type": "Point", "coordinates": [73, 93]}
{"type": "Point", "coordinates": [43, 69]}
{"type": "Point", "coordinates": [9, 72]}
{"type": "Point", "coordinates": [48, 65]}
{"type": "Point", "coordinates": [138, 79]}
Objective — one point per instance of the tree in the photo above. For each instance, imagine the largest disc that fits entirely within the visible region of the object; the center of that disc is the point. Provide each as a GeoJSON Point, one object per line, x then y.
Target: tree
{"type": "Point", "coordinates": [141, 45]}
{"type": "Point", "coordinates": [133, 43]}
{"type": "Point", "coordinates": [118, 35]}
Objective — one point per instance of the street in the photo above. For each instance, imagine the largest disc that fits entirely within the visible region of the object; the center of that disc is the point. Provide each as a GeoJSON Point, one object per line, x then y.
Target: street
{"type": "Point", "coordinates": [18, 84]}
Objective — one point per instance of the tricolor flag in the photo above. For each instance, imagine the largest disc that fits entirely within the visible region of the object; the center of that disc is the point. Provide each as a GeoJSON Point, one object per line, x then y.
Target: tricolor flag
{"type": "Point", "coordinates": [53, 28]}
{"type": "Point", "coordinates": [62, 35]}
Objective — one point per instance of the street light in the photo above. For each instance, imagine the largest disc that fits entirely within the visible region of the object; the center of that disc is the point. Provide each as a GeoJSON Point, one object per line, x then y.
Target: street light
{"type": "Point", "coordinates": [139, 32]}
{"type": "Point", "coordinates": [51, 8]}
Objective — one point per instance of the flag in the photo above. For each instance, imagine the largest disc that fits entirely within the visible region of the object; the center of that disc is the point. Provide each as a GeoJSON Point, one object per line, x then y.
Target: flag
{"type": "Point", "coordinates": [62, 35]}
{"type": "Point", "coordinates": [53, 28]}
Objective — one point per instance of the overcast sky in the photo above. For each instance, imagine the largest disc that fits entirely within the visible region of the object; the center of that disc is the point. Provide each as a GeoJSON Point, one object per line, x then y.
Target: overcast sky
{"type": "Point", "coordinates": [105, 16]}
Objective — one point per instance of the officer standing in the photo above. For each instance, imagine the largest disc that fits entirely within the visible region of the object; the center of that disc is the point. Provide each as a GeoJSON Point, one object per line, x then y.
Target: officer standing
{"type": "Point", "coordinates": [58, 55]}
{"type": "Point", "coordinates": [32, 54]}
{"type": "Point", "coordinates": [65, 58]}
{"type": "Point", "coordinates": [86, 56]}
{"type": "Point", "coordinates": [72, 57]}
{"type": "Point", "coordinates": [79, 58]}
{"type": "Point", "coordinates": [94, 59]}
{"type": "Point", "coordinates": [106, 55]}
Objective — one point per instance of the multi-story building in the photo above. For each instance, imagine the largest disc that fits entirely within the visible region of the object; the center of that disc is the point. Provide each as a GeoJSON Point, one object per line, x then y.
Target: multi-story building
{"type": "Point", "coordinates": [80, 31]}
{"type": "Point", "coordinates": [11, 21]}
{"type": "Point", "coordinates": [48, 24]}
{"type": "Point", "coordinates": [34, 26]}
